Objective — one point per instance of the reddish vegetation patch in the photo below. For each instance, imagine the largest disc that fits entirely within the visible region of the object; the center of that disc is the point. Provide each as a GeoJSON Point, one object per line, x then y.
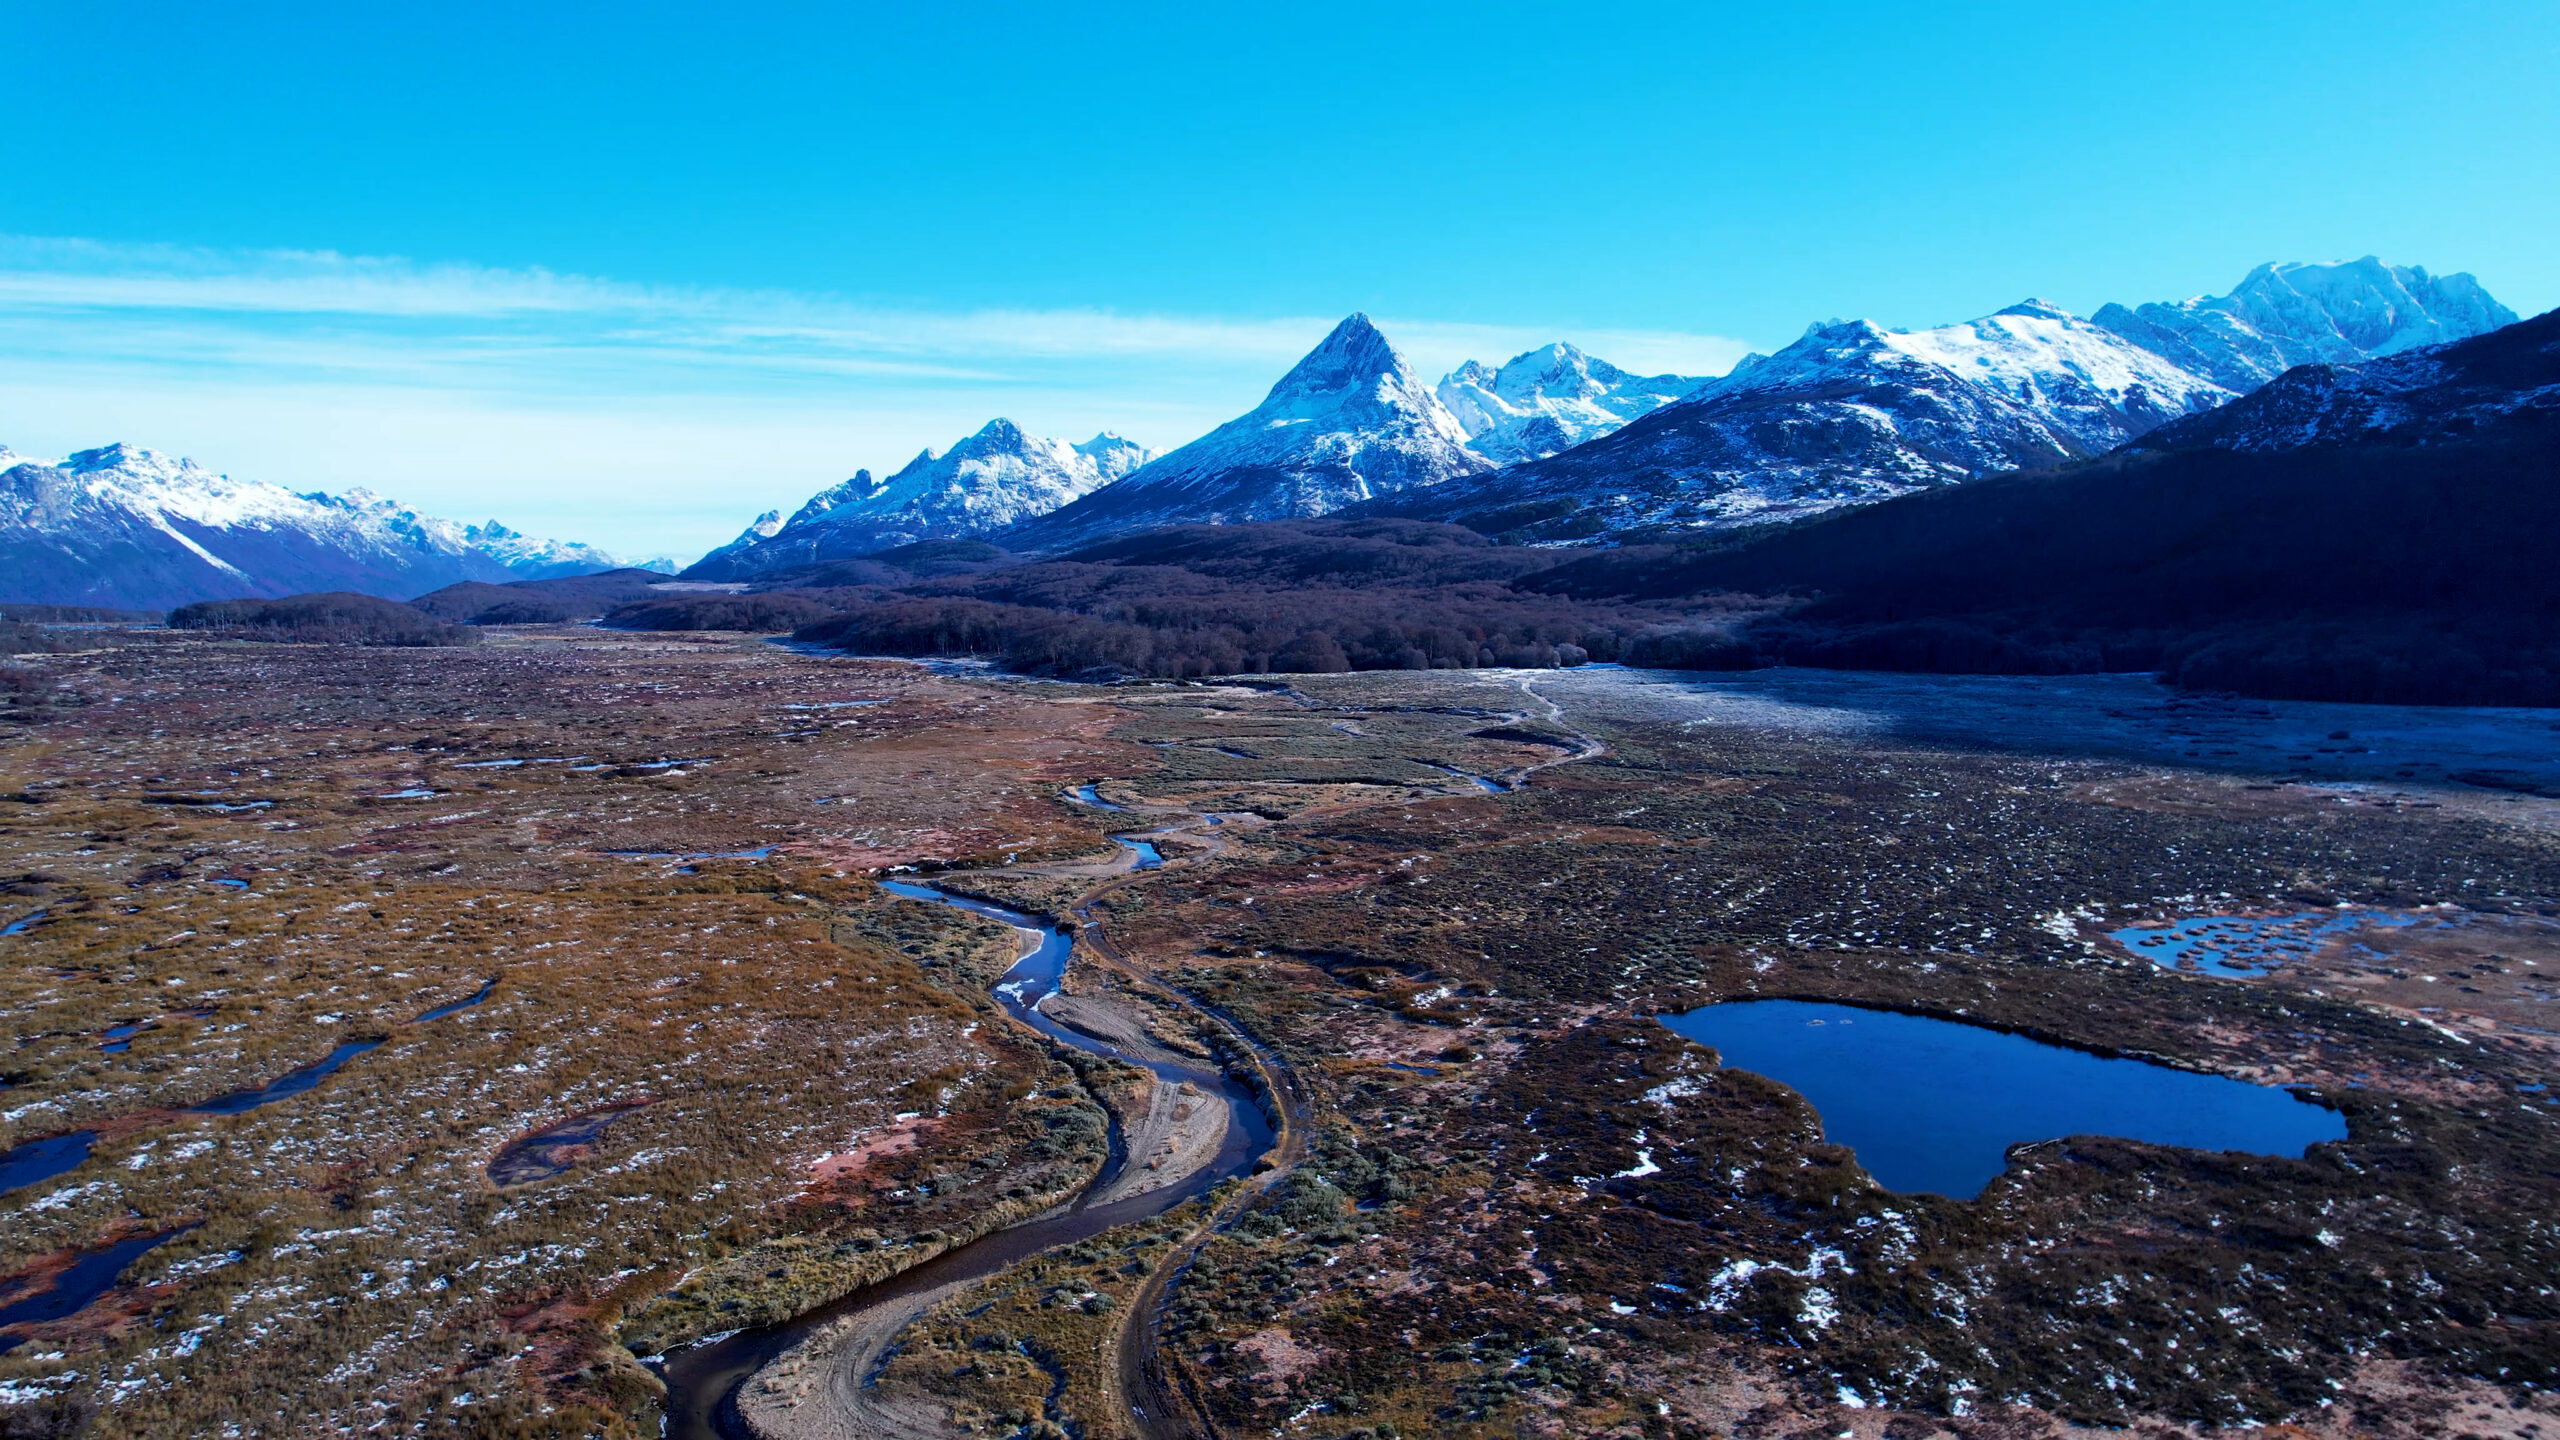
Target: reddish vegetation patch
{"type": "Point", "coordinates": [561, 1334]}
{"type": "Point", "coordinates": [913, 847]}
{"type": "Point", "coordinates": [1282, 1357]}
{"type": "Point", "coordinates": [834, 1175]}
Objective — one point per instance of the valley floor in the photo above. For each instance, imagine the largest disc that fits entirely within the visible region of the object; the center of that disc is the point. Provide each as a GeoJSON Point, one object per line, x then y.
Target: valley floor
{"type": "Point", "coordinates": [1428, 914]}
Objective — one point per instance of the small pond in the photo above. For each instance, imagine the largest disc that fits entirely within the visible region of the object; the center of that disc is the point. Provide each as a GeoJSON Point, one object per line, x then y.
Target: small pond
{"type": "Point", "coordinates": [1144, 850]}
{"type": "Point", "coordinates": [25, 1164]}
{"type": "Point", "coordinates": [1087, 795]}
{"type": "Point", "coordinates": [1934, 1105]}
{"type": "Point", "coordinates": [83, 1280]}
{"type": "Point", "coordinates": [554, 1149]}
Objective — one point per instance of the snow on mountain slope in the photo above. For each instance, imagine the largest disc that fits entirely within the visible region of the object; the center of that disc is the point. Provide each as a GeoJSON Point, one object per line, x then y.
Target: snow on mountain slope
{"type": "Point", "coordinates": [2281, 316]}
{"type": "Point", "coordinates": [537, 559]}
{"type": "Point", "coordinates": [1349, 422]}
{"type": "Point", "coordinates": [1849, 413]}
{"type": "Point", "coordinates": [124, 526]}
{"type": "Point", "coordinates": [2501, 385]}
{"type": "Point", "coordinates": [1549, 400]}
{"type": "Point", "coordinates": [998, 477]}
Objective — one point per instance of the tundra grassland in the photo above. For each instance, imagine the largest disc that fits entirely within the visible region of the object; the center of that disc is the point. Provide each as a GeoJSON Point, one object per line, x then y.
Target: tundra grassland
{"type": "Point", "coordinates": [649, 861]}
{"type": "Point", "coordinates": [1532, 1210]}
{"type": "Point", "coordinates": [1448, 902]}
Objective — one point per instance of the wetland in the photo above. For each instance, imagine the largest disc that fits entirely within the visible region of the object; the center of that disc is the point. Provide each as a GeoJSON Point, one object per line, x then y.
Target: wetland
{"type": "Point", "coordinates": [1390, 1053]}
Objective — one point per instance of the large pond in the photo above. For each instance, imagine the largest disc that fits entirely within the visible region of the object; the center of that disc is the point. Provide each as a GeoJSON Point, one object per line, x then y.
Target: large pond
{"type": "Point", "coordinates": [1934, 1105]}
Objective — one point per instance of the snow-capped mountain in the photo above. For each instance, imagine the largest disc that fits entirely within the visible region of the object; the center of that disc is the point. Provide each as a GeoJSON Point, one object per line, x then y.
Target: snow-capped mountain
{"type": "Point", "coordinates": [1349, 422]}
{"type": "Point", "coordinates": [1549, 400]}
{"type": "Point", "coordinates": [1849, 413]}
{"type": "Point", "coordinates": [536, 559]}
{"type": "Point", "coordinates": [1852, 412]}
{"type": "Point", "coordinates": [995, 478]}
{"type": "Point", "coordinates": [2501, 385]}
{"type": "Point", "coordinates": [128, 527]}
{"type": "Point", "coordinates": [2281, 316]}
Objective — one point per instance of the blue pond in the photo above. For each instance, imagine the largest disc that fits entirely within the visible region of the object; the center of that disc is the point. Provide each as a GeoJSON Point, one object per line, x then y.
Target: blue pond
{"type": "Point", "coordinates": [1087, 795]}
{"type": "Point", "coordinates": [291, 1083]}
{"type": "Point", "coordinates": [1933, 1105]}
{"type": "Point", "coordinates": [86, 1278]}
{"type": "Point", "coordinates": [1145, 850]}
{"type": "Point", "coordinates": [24, 1165]}
{"type": "Point", "coordinates": [2238, 946]}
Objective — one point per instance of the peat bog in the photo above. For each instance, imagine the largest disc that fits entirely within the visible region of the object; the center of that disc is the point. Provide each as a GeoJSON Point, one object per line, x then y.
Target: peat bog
{"type": "Point", "coordinates": [1448, 904]}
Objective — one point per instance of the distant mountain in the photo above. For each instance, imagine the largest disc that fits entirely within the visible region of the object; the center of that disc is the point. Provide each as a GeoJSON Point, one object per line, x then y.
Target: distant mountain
{"type": "Point", "coordinates": [1549, 400]}
{"type": "Point", "coordinates": [2502, 384]}
{"type": "Point", "coordinates": [535, 559]}
{"type": "Point", "coordinates": [998, 477]}
{"type": "Point", "coordinates": [129, 527]}
{"type": "Point", "coordinates": [2281, 316]}
{"type": "Point", "coordinates": [2375, 532]}
{"type": "Point", "coordinates": [1853, 413]}
{"type": "Point", "coordinates": [1850, 413]}
{"type": "Point", "coordinates": [1349, 422]}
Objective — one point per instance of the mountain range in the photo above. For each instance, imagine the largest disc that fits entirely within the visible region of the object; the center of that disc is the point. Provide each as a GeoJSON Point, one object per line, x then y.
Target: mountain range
{"type": "Point", "coordinates": [2281, 316]}
{"type": "Point", "coordinates": [1557, 446]}
{"type": "Point", "coordinates": [996, 478]}
{"type": "Point", "coordinates": [1552, 447]}
{"type": "Point", "coordinates": [130, 528]}
{"type": "Point", "coordinates": [2371, 532]}
{"type": "Point", "coordinates": [2367, 532]}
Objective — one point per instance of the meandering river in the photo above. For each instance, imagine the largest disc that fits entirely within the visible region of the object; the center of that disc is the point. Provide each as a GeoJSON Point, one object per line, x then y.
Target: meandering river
{"type": "Point", "coordinates": [702, 1381]}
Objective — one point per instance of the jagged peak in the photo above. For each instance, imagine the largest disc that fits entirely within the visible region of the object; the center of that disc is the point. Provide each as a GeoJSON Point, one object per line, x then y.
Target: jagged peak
{"type": "Point", "coordinates": [124, 455]}
{"type": "Point", "coordinates": [1836, 328]}
{"type": "Point", "coordinates": [2036, 309]}
{"type": "Point", "coordinates": [1354, 354]}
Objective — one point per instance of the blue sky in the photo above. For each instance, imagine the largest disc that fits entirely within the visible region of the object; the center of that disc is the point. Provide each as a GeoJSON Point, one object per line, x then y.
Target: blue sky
{"type": "Point", "coordinates": [631, 273]}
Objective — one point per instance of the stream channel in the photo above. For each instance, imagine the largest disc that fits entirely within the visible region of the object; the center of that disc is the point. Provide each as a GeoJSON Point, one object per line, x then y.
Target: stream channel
{"type": "Point", "coordinates": [702, 1380]}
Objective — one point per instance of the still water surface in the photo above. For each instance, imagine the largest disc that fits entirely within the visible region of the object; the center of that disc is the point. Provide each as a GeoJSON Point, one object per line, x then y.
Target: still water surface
{"type": "Point", "coordinates": [1933, 1105]}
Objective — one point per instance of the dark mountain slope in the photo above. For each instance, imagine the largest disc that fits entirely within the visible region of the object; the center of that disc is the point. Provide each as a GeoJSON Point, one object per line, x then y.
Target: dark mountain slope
{"type": "Point", "coordinates": [2374, 532]}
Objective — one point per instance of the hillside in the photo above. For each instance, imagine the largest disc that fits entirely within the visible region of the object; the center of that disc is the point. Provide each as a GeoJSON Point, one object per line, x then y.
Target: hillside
{"type": "Point", "coordinates": [2375, 532]}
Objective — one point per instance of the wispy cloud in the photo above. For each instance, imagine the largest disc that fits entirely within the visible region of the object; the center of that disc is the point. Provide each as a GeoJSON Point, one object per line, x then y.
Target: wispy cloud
{"type": "Point", "coordinates": [322, 370]}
